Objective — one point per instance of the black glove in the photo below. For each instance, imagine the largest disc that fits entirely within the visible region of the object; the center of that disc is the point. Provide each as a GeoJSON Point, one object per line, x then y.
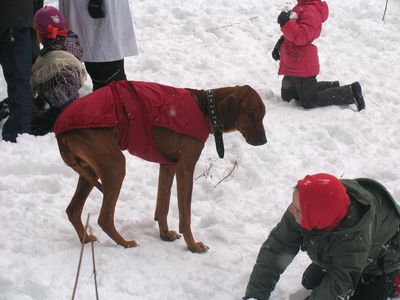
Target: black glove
{"type": "Point", "coordinates": [283, 17]}
{"type": "Point", "coordinates": [95, 9]}
{"type": "Point", "coordinates": [39, 102]}
{"type": "Point", "coordinates": [276, 53]}
{"type": "Point", "coordinates": [313, 276]}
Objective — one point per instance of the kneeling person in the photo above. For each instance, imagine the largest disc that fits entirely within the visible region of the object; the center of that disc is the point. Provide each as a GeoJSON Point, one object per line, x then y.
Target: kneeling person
{"type": "Point", "coordinates": [350, 231]}
{"type": "Point", "coordinates": [58, 72]}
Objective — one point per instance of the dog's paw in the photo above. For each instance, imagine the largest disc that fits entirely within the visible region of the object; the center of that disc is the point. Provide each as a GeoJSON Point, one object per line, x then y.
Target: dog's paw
{"type": "Point", "coordinates": [130, 244]}
{"type": "Point", "coordinates": [198, 247]}
{"type": "Point", "coordinates": [170, 236]}
{"type": "Point", "coordinates": [90, 238]}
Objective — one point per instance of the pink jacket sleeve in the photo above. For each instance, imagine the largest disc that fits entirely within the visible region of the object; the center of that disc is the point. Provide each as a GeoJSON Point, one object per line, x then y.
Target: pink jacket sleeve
{"type": "Point", "coordinates": [305, 30]}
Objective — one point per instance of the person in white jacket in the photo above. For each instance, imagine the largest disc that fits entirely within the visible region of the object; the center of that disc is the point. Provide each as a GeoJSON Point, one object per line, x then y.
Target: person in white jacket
{"type": "Point", "coordinates": [107, 36]}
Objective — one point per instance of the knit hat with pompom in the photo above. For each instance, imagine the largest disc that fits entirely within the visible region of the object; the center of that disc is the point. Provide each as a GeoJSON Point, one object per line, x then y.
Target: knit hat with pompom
{"type": "Point", "coordinates": [323, 201]}
{"type": "Point", "coordinates": [49, 23]}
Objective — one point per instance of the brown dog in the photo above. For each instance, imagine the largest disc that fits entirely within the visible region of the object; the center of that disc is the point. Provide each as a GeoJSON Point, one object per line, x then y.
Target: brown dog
{"type": "Point", "coordinates": [94, 151]}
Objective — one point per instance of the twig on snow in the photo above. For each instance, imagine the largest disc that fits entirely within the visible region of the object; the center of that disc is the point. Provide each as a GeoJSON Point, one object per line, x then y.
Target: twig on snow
{"type": "Point", "coordinates": [384, 13]}
{"type": "Point", "coordinates": [229, 174]}
{"type": "Point", "coordinates": [80, 258]}
{"type": "Point", "coordinates": [205, 173]}
{"type": "Point", "coordinates": [94, 266]}
{"type": "Point", "coordinates": [231, 25]}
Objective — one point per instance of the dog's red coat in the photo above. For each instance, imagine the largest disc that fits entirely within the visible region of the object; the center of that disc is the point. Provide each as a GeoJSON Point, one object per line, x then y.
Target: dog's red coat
{"type": "Point", "coordinates": [137, 107]}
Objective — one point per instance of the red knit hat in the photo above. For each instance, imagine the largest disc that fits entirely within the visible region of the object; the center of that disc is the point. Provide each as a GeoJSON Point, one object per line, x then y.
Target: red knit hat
{"type": "Point", "coordinates": [323, 201]}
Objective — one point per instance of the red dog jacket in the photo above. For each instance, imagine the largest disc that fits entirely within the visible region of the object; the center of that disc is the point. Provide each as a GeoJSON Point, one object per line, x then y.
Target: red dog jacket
{"type": "Point", "coordinates": [134, 107]}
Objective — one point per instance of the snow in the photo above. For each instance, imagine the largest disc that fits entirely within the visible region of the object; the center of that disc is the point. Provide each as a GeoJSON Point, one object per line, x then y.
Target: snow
{"type": "Point", "coordinates": [207, 44]}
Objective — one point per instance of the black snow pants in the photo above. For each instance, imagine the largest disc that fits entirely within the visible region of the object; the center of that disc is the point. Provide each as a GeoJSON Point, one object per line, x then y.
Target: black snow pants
{"type": "Point", "coordinates": [310, 93]}
{"type": "Point", "coordinates": [102, 73]}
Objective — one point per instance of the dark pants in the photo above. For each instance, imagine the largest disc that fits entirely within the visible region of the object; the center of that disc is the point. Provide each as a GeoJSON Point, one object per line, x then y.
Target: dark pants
{"type": "Point", "coordinates": [370, 287]}
{"type": "Point", "coordinates": [16, 61]}
{"type": "Point", "coordinates": [37, 4]}
{"type": "Point", "coordinates": [35, 46]}
{"type": "Point", "coordinates": [102, 73]}
{"type": "Point", "coordinates": [311, 93]}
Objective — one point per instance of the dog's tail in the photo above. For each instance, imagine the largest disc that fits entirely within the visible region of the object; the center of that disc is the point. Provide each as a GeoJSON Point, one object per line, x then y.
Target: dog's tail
{"type": "Point", "coordinates": [74, 162]}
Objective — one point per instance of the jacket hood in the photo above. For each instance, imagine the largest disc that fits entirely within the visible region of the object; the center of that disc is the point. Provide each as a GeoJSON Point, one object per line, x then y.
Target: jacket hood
{"type": "Point", "coordinates": [322, 7]}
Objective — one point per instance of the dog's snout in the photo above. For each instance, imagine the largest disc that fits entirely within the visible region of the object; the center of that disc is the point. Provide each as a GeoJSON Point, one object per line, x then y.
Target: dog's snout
{"type": "Point", "coordinates": [258, 141]}
{"type": "Point", "coordinates": [262, 141]}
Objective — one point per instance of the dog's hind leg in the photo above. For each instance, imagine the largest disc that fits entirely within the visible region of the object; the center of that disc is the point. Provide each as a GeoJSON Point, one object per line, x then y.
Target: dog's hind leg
{"type": "Point", "coordinates": [165, 180]}
{"type": "Point", "coordinates": [74, 209]}
{"type": "Point", "coordinates": [111, 169]}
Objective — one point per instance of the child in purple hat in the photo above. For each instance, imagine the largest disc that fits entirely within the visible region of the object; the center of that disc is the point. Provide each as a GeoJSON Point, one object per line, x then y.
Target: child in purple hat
{"type": "Point", "coordinates": [58, 72]}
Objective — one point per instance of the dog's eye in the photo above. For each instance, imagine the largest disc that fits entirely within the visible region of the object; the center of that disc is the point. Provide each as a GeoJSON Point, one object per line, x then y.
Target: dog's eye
{"type": "Point", "coordinates": [252, 115]}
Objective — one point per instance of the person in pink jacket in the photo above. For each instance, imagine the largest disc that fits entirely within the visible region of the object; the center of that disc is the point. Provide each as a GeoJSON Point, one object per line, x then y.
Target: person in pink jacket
{"type": "Point", "coordinates": [299, 59]}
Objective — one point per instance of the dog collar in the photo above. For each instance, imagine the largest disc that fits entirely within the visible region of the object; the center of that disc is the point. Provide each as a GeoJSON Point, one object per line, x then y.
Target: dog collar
{"type": "Point", "coordinates": [212, 113]}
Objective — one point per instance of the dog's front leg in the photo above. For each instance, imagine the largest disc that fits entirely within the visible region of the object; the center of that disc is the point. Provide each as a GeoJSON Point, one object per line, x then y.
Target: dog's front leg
{"type": "Point", "coordinates": [165, 180]}
{"type": "Point", "coordinates": [184, 180]}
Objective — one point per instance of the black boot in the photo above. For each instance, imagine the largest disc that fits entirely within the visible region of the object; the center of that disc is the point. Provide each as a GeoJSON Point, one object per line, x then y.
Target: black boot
{"type": "Point", "coordinates": [357, 94]}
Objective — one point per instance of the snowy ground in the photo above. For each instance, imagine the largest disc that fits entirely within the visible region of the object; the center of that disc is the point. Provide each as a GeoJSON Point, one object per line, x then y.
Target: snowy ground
{"type": "Point", "coordinates": [207, 44]}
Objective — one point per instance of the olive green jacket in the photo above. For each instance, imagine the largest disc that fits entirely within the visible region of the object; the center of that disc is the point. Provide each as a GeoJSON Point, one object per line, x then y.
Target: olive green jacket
{"type": "Point", "coordinates": [366, 241]}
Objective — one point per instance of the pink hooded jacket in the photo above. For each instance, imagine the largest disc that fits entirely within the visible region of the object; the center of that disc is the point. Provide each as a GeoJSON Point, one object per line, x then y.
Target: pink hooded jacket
{"type": "Point", "coordinates": [299, 57]}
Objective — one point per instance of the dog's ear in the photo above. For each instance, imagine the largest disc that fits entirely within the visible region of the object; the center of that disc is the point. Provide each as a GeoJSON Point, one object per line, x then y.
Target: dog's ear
{"type": "Point", "coordinates": [227, 111]}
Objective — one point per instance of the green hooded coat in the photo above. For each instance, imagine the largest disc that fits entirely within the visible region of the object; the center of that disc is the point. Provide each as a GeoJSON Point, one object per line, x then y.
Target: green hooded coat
{"type": "Point", "coordinates": [367, 241]}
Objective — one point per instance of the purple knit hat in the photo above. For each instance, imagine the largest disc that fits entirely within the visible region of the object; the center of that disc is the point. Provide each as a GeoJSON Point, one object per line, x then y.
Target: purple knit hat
{"type": "Point", "coordinates": [46, 16]}
{"type": "Point", "coordinates": [49, 15]}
